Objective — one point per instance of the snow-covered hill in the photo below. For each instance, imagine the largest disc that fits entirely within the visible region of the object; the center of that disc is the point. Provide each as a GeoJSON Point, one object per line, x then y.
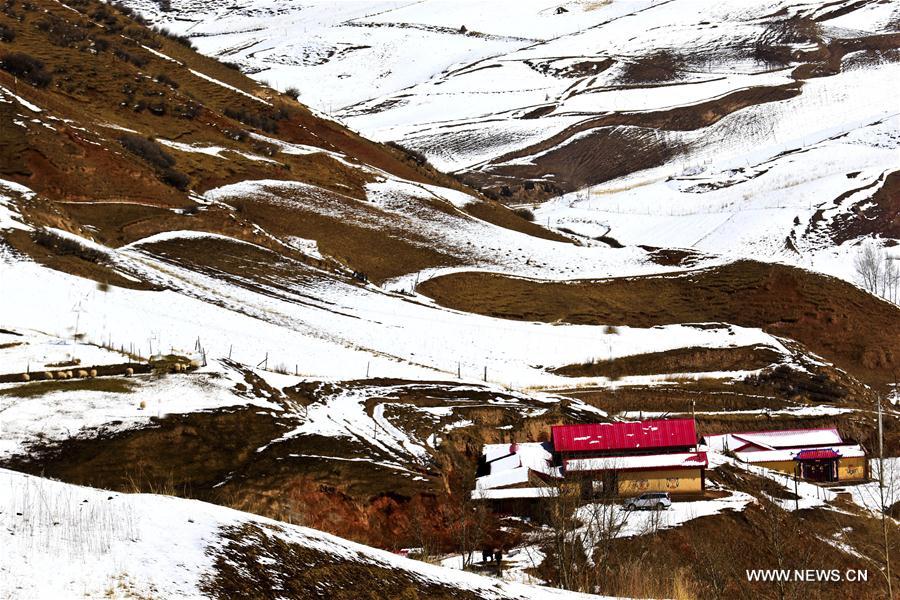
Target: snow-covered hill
{"type": "Point", "coordinates": [209, 289]}
{"type": "Point", "coordinates": [65, 541]}
{"type": "Point", "coordinates": [746, 129]}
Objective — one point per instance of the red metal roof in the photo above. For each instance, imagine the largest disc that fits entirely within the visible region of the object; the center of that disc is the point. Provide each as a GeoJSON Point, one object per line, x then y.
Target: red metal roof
{"type": "Point", "coordinates": [817, 454]}
{"type": "Point", "coordinates": [624, 436]}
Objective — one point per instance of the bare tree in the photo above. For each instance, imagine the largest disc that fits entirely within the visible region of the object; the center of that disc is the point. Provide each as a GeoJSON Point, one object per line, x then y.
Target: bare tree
{"type": "Point", "coordinates": [566, 550]}
{"type": "Point", "coordinates": [868, 264]}
{"type": "Point", "coordinates": [585, 520]}
{"type": "Point", "coordinates": [604, 521]}
{"type": "Point", "coordinates": [877, 272]}
{"type": "Point", "coordinates": [890, 279]}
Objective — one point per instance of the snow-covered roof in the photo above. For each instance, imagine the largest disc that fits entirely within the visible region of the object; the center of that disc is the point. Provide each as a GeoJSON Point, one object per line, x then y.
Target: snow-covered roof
{"type": "Point", "coordinates": [758, 456]}
{"type": "Point", "coordinates": [529, 492]}
{"type": "Point", "coordinates": [502, 478]}
{"type": "Point", "coordinates": [650, 461]}
{"type": "Point", "coordinates": [773, 440]}
{"type": "Point", "coordinates": [512, 464]}
{"type": "Point", "coordinates": [534, 455]}
{"type": "Point", "coordinates": [492, 452]}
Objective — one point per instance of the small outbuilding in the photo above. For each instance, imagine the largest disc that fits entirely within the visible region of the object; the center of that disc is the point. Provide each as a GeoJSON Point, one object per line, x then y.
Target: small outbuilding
{"type": "Point", "coordinates": [819, 455]}
{"type": "Point", "coordinates": [514, 478]}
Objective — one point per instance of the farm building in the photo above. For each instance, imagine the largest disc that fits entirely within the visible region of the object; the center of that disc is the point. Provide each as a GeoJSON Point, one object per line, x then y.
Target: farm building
{"type": "Point", "coordinates": [631, 458]}
{"type": "Point", "coordinates": [514, 477]}
{"type": "Point", "coordinates": [816, 454]}
{"type": "Point", "coordinates": [515, 470]}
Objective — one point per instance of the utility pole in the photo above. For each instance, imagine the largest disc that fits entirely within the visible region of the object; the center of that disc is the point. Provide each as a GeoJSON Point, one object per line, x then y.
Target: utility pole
{"type": "Point", "coordinates": [884, 523]}
{"type": "Point", "coordinates": [880, 446]}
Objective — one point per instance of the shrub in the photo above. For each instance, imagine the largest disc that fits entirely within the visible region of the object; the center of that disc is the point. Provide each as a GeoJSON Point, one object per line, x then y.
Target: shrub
{"type": "Point", "coordinates": [26, 67]}
{"type": "Point", "coordinates": [412, 155]}
{"type": "Point", "coordinates": [237, 134]}
{"type": "Point", "coordinates": [67, 246]}
{"type": "Point", "coordinates": [179, 39]}
{"type": "Point", "coordinates": [292, 92]}
{"type": "Point", "coordinates": [135, 59]}
{"type": "Point", "coordinates": [129, 12]}
{"type": "Point", "coordinates": [176, 179]}
{"type": "Point", "coordinates": [232, 65]}
{"type": "Point", "coordinates": [166, 80]}
{"type": "Point", "coordinates": [60, 32]}
{"type": "Point", "coordinates": [147, 149]}
{"type": "Point", "coordinates": [105, 16]}
{"type": "Point", "coordinates": [265, 122]}
{"type": "Point", "coordinates": [6, 34]}
{"type": "Point", "coordinates": [101, 44]}
{"type": "Point", "coordinates": [265, 148]}
{"type": "Point", "coordinates": [525, 213]}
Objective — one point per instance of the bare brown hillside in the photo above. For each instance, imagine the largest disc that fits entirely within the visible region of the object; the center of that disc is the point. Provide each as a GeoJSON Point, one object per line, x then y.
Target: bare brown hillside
{"type": "Point", "coordinates": [118, 127]}
{"type": "Point", "coordinates": [858, 332]}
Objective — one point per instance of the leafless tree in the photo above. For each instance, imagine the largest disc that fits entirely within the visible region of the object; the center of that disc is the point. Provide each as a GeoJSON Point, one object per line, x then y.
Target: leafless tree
{"type": "Point", "coordinates": [584, 520]}
{"type": "Point", "coordinates": [561, 502]}
{"type": "Point", "coordinates": [868, 263]}
{"type": "Point", "coordinates": [604, 521]}
{"type": "Point", "coordinates": [877, 272]}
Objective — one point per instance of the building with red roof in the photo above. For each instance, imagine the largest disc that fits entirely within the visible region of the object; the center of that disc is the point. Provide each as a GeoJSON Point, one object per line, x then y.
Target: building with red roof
{"type": "Point", "coordinates": [598, 439]}
{"type": "Point", "coordinates": [819, 455]}
{"type": "Point", "coordinates": [633, 457]}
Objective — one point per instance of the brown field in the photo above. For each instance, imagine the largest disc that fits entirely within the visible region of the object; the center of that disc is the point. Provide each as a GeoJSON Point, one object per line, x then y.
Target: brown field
{"type": "Point", "coordinates": [854, 330]}
{"type": "Point", "coordinates": [680, 360]}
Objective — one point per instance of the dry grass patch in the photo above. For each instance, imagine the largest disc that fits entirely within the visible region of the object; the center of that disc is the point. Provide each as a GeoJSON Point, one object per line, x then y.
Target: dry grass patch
{"type": "Point", "coordinates": [856, 331]}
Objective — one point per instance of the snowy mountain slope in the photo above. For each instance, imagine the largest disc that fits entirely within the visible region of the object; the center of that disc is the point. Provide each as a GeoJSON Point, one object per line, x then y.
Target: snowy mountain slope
{"type": "Point", "coordinates": [348, 52]}
{"type": "Point", "coordinates": [209, 290]}
{"type": "Point", "coordinates": [63, 541]}
{"type": "Point", "coordinates": [749, 110]}
{"type": "Point", "coordinates": [331, 328]}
